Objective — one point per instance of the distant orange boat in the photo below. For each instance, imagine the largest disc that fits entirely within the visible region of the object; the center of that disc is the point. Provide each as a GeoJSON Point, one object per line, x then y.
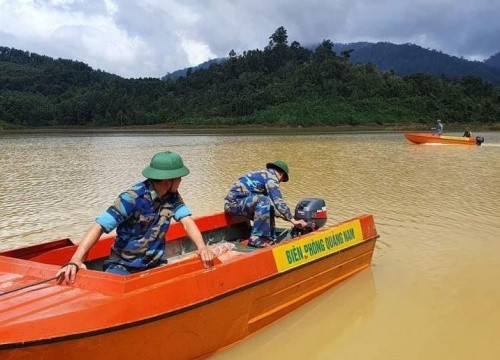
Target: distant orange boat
{"type": "Point", "coordinates": [175, 311]}
{"type": "Point", "coordinates": [425, 138]}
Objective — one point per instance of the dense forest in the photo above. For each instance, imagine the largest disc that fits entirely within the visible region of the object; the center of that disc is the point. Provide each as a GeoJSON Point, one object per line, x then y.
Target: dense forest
{"type": "Point", "coordinates": [403, 59]}
{"type": "Point", "coordinates": [494, 61]}
{"type": "Point", "coordinates": [282, 85]}
{"type": "Point", "coordinates": [407, 59]}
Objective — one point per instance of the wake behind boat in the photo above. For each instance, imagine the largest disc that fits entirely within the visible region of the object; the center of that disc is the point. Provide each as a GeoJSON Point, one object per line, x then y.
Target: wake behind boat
{"type": "Point", "coordinates": [191, 311]}
{"type": "Point", "coordinates": [425, 138]}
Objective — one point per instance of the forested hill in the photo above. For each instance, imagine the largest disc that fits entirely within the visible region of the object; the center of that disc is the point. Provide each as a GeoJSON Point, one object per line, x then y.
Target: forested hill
{"type": "Point", "coordinates": [281, 85]}
{"type": "Point", "coordinates": [407, 59]}
{"type": "Point", "coordinates": [203, 66]}
{"type": "Point", "coordinates": [403, 59]}
{"type": "Point", "coordinates": [494, 61]}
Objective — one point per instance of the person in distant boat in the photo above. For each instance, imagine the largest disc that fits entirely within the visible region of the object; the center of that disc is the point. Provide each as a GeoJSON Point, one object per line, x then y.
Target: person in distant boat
{"type": "Point", "coordinates": [467, 133]}
{"type": "Point", "coordinates": [438, 130]}
{"type": "Point", "coordinates": [257, 196]}
{"type": "Point", "coordinates": [141, 216]}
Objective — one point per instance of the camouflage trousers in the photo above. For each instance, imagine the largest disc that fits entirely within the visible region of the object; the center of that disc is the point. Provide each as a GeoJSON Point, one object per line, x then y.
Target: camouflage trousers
{"type": "Point", "coordinates": [257, 208]}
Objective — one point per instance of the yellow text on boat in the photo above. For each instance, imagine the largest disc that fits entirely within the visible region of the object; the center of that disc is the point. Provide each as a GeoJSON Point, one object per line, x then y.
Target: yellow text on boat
{"type": "Point", "coordinates": [455, 138]}
{"type": "Point", "coordinates": [318, 245]}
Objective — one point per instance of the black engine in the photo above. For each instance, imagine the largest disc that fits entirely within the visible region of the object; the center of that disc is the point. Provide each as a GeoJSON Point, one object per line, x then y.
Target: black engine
{"type": "Point", "coordinates": [312, 211]}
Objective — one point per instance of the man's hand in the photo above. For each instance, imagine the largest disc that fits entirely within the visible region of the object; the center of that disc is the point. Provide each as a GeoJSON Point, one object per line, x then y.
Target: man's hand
{"type": "Point", "coordinates": [76, 263]}
{"type": "Point", "coordinates": [194, 234]}
{"type": "Point", "coordinates": [302, 224]}
{"type": "Point", "coordinates": [207, 257]}
{"type": "Point", "coordinates": [69, 271]}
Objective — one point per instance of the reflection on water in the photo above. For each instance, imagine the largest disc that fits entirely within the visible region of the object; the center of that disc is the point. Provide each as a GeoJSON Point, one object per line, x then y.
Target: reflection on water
{"type": "Point", "coordinates": [433, 290]}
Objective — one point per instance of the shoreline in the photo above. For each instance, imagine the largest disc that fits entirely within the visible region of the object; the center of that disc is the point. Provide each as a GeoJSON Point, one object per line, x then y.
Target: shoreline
{"type": "Point", "coordinates": [251, 130]}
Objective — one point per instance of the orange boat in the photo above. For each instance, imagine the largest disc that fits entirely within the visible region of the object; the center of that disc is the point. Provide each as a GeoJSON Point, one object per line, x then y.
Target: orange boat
{"type": "Point", "coordinates": [175, 311]}
{"type": "Point", "coordinates": [425, 138]}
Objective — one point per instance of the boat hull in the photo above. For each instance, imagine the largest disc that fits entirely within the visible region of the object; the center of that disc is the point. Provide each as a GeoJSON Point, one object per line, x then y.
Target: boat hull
{"type": "Point", "coordinates": [424, 138]}
{"type": "Point", "coordinates": [209, 327]}
{"type": "Point", "coordinates": [216, 307]}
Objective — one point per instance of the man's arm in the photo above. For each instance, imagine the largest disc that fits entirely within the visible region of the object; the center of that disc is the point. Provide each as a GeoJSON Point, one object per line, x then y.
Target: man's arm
{"type": "Point", "coordinates": [273, 190]}
{"type": "Point", "coordinates": [194, 234]}
{"type": "Point", "coordinates": [90, 238]}
{"type": "Point", "coordinates": [280, 205]}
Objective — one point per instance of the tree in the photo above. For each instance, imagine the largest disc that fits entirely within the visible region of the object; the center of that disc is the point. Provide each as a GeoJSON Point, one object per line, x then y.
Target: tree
{"type": "Point", "coordinates": [324, 51]}
{"type": "Point", "coordinates": [346, 54]}
{"type": "Point", "coordinates": [278, 38]}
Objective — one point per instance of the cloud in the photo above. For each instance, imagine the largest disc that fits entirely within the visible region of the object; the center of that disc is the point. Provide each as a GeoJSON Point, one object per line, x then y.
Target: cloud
{"type": "Point", "coordinates": [152, 37]}
{"type": "Point", "coordinates": [197, 52]}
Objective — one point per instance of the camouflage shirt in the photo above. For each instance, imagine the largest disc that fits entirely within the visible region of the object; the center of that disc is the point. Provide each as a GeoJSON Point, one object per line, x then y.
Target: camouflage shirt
{"type": "Point", "coordinates": [141, 219]}
{"type": "Point", "coordinates": [263, 182]}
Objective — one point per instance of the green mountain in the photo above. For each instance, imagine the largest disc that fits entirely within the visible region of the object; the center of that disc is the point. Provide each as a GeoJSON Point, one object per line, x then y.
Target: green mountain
{"type": "Point", "coordinates": [281, 85]}
{"type": "Point", "coordinates": [403, 59]}
{"type": "Point", "coordinates": [493, 61]}
{"type": "Point", "coordinates": [184, 72]}
{"type": "Point", "coordinates": [407, 59]}
{"type": "Point", "coordinates": [37, 90]}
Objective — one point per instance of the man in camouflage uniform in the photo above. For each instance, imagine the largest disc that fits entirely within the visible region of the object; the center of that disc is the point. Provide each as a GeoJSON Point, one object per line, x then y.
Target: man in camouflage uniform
{"type": "Point", "coordinates": [439, 127]}
{"type": "Point", "coordinates": [141, 217]}
{"type": "Point", "coordinates": [257, 196]}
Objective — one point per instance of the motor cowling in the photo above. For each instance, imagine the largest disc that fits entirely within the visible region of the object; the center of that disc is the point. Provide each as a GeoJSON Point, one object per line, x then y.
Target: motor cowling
{"type": "Point", "coordinates": [479, 140]}
{"type": "Point", "coordinates": [312, 211]}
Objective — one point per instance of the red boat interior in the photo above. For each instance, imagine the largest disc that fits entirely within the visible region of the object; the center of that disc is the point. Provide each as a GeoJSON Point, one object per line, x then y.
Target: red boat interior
{"type": "Point", "coordinates": [215, 229]}
{"type": "Point", "coordinates": [16, 272]}
{"type": "Point", "coordinates": [44, 259]}
{"type": "Point", "coordinates": [179, 253]}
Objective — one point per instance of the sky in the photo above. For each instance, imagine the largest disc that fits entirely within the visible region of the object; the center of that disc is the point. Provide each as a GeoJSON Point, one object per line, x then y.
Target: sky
{"type": "Point", "coordinates": [150, 38]}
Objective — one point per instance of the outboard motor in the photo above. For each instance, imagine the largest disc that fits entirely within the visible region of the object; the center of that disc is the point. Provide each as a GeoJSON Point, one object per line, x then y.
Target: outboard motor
{"type": "Point", "coordinates": [312, 211]}
{"type": "Point", "coordinates": [479, 140]}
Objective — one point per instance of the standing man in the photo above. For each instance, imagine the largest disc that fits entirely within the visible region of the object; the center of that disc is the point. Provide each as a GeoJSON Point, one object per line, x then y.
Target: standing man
{"type": "Point", "coordinates": [439, 127]}
{"type": "Point", "coordinates": [257, 196]}
{"type": "Point", "coordinates": [141, 217]}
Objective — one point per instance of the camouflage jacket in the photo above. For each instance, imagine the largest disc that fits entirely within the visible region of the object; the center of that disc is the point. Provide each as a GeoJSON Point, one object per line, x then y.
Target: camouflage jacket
{"type": "Point", "coordinates": [141, 219]}
{"type": "Point", "coordinates": [263, 182]}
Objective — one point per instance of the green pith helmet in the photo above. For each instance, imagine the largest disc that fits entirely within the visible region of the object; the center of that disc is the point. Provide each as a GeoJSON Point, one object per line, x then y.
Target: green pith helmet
{"type": "Point", "coordinates": [164, 166]}
{"type": "Point", "coordinates": [279, 165]}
